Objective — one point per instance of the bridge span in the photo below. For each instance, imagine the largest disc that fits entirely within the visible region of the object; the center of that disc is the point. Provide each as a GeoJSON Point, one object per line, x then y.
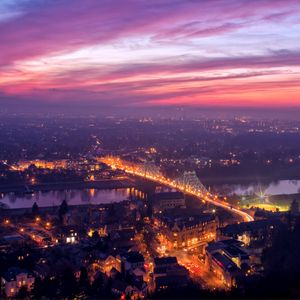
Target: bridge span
{"type": "Point", "coordinates": [189, 183]}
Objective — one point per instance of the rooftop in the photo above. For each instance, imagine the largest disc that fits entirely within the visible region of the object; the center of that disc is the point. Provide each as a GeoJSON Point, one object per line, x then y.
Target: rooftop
{"type": "Point", "coordinates": [168, 195]}
{"type": "Point", "coordinates": [253, 226]}
{"type": "Point", "coordinates": [224, 262]}
{"type": "Point", "coordinates": [228, 246]}
{"type": "Point", "coordinates": [134, 257]}
{"type": "Point", "coordinates": [160, 261]}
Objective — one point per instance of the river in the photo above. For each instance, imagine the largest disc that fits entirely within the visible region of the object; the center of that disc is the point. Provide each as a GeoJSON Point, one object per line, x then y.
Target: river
{"type": "Point", "coordinates": [73, 197]}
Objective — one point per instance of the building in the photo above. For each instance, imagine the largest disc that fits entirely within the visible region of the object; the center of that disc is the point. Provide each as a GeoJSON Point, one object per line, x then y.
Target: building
{"type": "Point", "coordinates": [119, 288]}
{"type": "Point", "coordinates": [223, 268]}
{"type": "Point", "coordinates": [14, 279]}
{"type": "Point", "coordinates": [133, 260]}
{"type": "Point", "coordinates": [165, 262]}
{"type": "Point", "coordinates": [165, 282]}
{"type": "Point", "coordinates": [109, 263]}
{"type": "Point", "coordinates": [68, 234]}
{"type": "Point", "coordinates": [256, 236]}
{"type": "Point", "coordinates": [43, 164]}
{"type": "Point", "coordinates": [188, 232]}
{"type": "Point", "coordinates": [105, 263]}
{"type": "Point", "coordinates": [232, 249]}
{"type": "Point", "coordinates": [123, 239]}
{"type": "Point", "coordinates": [168, 200]}
{"type": "Point", "coordinates": [253, 233]}
{"type": "Point", "coordinates": [226, 259]}
{"type": "Point", "coordinates": [168, 273]}
{"type": "Point", "coordinates": [123, 290]}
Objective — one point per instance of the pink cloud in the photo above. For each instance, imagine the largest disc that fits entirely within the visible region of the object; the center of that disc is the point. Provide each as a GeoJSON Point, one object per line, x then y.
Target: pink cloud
{"type": "Point", "coordinates": [59, 27]}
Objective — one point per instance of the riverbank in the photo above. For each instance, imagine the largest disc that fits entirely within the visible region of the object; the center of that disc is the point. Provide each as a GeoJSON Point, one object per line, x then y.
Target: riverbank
{"type": "Point", "coordinates": [50, 186]}
{"type": "Point", "coordinates": [13, 212]}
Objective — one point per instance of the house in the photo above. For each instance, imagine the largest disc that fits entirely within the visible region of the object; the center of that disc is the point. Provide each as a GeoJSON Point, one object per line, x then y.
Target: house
{"type": "Point", "coordinates": [118, 287]}
{"type": "Point", "coordinates": [133, 260]}
{"type": "Point", "coordinates": [68, 234]}
{"type": "Point", "coordinates": [105, 263]}
{"type": "Point", "coordinates": [123, 290]}
{"type": "Point", "coordinates": [114, 273]}
{"type": "Point", "coordinates": [123, 238]}
{"type": "Point", "coordinates": [14, 279]}
{"type": "Point", "coordinates": [139, 274]}
{"type": "Point", "coordinates": [167, 272]}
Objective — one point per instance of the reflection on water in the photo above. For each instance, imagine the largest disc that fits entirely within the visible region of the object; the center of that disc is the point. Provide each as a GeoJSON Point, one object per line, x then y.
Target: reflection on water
{"type": "Point", "coordinates": [73, 197]}
{"type": "Point", "coordinates": [286, 187]}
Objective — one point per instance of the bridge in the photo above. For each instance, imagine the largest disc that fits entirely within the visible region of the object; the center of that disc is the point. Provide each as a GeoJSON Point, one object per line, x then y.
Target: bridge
{"type": "Point", "coordinates": [188, 183]}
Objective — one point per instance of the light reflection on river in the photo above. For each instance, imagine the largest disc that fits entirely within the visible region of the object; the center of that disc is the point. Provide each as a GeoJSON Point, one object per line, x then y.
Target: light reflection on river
{"type": "Point", "coordinates": [73, 197]}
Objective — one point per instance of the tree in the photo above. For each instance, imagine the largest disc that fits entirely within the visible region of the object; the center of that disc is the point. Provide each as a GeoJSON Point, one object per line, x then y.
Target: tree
{"type": "Point", "coordinates": [102, 244]}
{"type": "Point", "coordinates": [84, 283]}
{"type": "Point", "coordinates": [35, 209]}
{"type": "Point", "coordinates": [69, 285]}
{"type": "Point", "coordinates": [97, 286]}
{"type": "Point", "coordinates": [45, 288]}
{"type": "Point", "coordinates": [111, 211]}
{"type": "Point", "coordinates": [294, 207]}
{"type": "Point", "coordinates": [63, 209]}
{"type": "Point", "coordinates": [38, 288]}
{"type": "Point", "coordinates": [50, 286]}
{"type": "Point", "coordinates": [95, 235]}
{"type": "Point", "coordinates": [23, 293]}
{"type": "Point", "coordinates": [282, 264]}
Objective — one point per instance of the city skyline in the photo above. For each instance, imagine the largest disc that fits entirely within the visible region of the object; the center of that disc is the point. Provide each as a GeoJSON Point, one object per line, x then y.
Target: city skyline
{"type": "Point", "coordinates": [142, 54]}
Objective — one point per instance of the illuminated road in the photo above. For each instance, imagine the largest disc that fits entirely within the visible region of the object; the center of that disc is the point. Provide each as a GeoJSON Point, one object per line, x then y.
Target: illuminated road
{"type": "Point", "coordinates": [198, 271]}
{"type": "Point", "coordinates": [130, 168]}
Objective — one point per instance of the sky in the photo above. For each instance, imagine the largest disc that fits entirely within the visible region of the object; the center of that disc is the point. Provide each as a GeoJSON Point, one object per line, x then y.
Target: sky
{"type": "Point", "coordinates": [141, 53]}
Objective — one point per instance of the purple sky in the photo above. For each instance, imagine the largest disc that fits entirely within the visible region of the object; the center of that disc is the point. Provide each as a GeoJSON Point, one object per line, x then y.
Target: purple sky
{"type": "Point", "coordinates": [150, 53]}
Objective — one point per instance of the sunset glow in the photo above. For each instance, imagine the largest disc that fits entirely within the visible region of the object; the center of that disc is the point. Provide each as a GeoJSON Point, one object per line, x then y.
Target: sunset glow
{"type": "Point", "coordinates": [151, 53]}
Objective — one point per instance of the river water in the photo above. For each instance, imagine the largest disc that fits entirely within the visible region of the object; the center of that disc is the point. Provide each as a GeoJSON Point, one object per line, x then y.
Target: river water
{"type": "Point", "coordinates": [94, 196]}
{"type": "Point", "coordinates": [73, 197]}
